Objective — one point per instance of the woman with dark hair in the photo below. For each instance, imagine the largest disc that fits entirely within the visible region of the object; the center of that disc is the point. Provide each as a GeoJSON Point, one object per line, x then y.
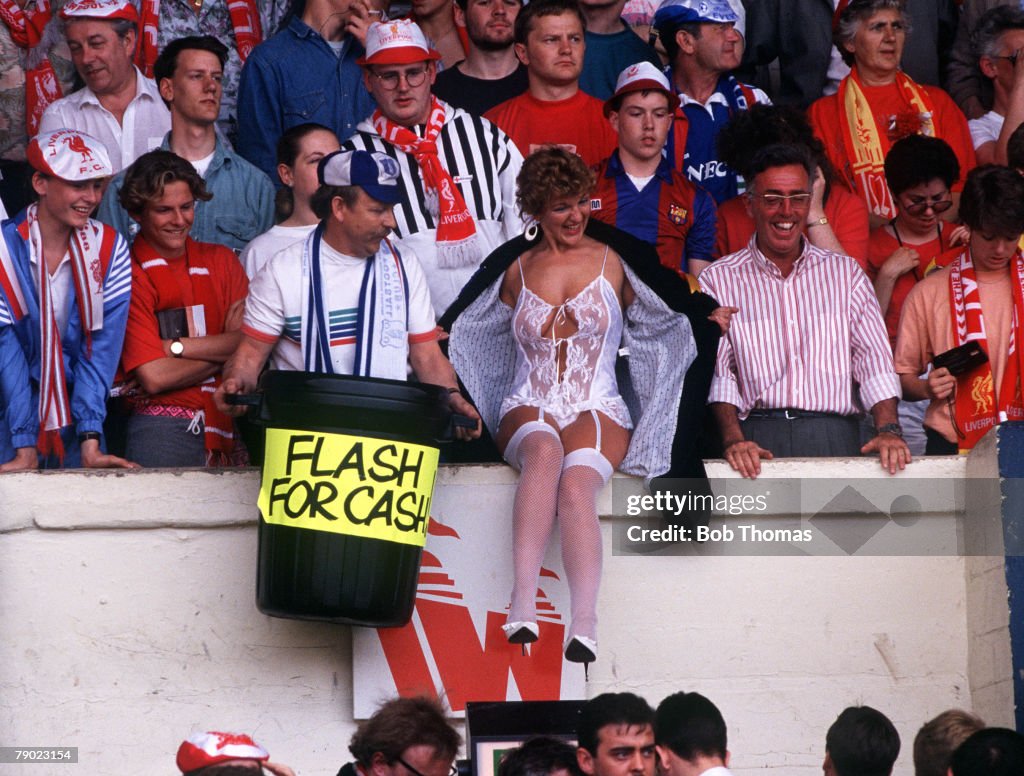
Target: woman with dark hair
{"type": "Point", "coordinates": [837, 220]}
{"type": "Point", "coordinates": [877, 104]}
{"type": "Point", "coordinates": [920, 172]}
{"type": "Point", "coordinates": [183, 323]}
{"type": "Point", "coordinates": [299, 152]}
{"type": "Point", "coordinates": [535, 337]}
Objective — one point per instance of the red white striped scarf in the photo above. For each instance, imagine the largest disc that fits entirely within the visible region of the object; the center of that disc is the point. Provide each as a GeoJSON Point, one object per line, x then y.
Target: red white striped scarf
{"type": "Point", "coordinates": [978, 406]}
{"type": "Point", "coordinates": [41, 84]}
{"type": "Point", "coordinates": [245, 20]}
{"type": "Point", "coordinates": [87, 268]}
{"type": "Point", "coordinates": [456, 231]}
{"type": "Point", "coordinates": [219, 435]}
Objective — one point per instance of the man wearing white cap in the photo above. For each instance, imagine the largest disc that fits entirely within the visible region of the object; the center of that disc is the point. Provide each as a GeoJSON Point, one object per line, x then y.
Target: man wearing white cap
{"type": "Point", "coordinates": [457, 172]}
{"type": "Point", "coordinates": [703, 48]}
{"type": "Point", "coordinates": [637, 189]}
{"type": "Point", "coordinates": [345, 300]}
{"type": "Point", "coordinates": [65, 283]}
{"type": "Point", "coordinates": [208, 754]}
{"type": "Point", "coordinates": [118, 105]}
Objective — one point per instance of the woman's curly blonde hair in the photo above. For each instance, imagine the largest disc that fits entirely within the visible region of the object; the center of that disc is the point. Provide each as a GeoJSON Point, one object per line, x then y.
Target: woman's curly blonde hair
{"type": "Point", "coordinates": [548, 173]}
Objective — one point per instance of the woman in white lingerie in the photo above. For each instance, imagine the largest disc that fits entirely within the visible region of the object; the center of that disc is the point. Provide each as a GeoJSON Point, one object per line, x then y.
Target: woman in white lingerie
{"type": "Point", "coordinates": [565, 427]}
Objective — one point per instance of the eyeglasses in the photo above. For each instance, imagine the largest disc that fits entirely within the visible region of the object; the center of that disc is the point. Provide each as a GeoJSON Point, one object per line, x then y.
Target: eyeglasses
{"type": "Point", "coordinates": [1011, 58]}
{"type": "Point", "coordinates": [453, 771]}
{"type": "Point", "coordinates": [413, 77]}
{"type": "Point", "coordinates": [937, 205]}
{"type": "Point", "coordinates": [774, 201]}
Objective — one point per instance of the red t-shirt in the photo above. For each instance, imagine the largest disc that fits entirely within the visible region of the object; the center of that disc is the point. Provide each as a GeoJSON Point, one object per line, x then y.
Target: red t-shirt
{"type": "Point", "coordinates": [206, 263]}
{"type": "Point", "coordinates": [846, 213]}
{"type": "Point", "coordinates": [577, 123]}
{"type": "Point", "coordinates": [934, 254]}
{"type": "Point", "coordinates": [828, 119]}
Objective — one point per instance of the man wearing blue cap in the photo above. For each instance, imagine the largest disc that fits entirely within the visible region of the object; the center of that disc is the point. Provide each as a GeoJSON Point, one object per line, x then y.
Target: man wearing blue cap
{"type": "Point", "coordinates": [344, 300]}
{"type": "Point", "coordinates": [704, 47]}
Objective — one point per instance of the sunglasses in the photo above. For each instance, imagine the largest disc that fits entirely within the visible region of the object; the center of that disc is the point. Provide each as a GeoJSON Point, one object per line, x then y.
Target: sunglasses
{"type": "Point", "coordinates": [937, 206]}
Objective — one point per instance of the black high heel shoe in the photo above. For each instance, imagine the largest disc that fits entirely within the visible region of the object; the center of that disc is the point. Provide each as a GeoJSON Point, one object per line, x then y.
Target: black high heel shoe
{"type": "Point", "coordinates": [521, 633]}
{"type": "Point", "coordinates": [580, 649]}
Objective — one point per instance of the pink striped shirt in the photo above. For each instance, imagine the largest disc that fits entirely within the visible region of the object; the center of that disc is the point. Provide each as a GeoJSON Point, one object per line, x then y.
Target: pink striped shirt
{"type": "Point", "coordinates": [803, 341]}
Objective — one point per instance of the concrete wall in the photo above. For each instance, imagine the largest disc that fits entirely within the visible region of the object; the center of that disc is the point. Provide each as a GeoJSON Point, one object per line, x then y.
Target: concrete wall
{"type": "Point", "coordinates": [126, 603]}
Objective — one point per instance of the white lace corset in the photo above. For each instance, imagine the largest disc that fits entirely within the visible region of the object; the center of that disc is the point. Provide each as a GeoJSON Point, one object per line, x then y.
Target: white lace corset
{"type": "Point", "coordinates": [567, 375]}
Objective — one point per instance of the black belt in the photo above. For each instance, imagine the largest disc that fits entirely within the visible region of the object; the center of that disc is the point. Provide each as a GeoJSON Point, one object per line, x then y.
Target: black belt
{"type": "Point", "coordinates": [791, 414]}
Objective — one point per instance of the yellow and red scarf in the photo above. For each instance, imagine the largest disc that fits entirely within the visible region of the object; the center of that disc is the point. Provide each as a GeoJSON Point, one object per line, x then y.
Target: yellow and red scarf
{"type": "Point", "coordinates": [456, 231]}
{"type": "Point", "coordinates": [867, 144]}
{"type": "Point", "coordinates": [245, 21]}
{"type": "Point", "coordinates": [41, 85]}
{"type": "Point", "coordinates": [978, 406]}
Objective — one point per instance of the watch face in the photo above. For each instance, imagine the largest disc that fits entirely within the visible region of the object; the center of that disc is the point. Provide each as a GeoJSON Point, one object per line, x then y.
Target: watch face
{"type": "Point", "coordinates": [177, 348]}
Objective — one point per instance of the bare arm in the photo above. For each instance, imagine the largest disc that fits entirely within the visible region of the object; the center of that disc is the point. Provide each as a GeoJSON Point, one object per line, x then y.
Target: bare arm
{"type": "Point", "coordinates": [430, 366]}
{"type": "Point", "coordinates": [242, 372]}
{"type": "Point", "coordinates": [892, 450]}
{"type": "Point", "coordinates": [820, 234]}
{"type": "Point", "coordinates": [900, 261]}
{"type": "Point", "coordinates": [743, 455]}
{"type": "Point", "coordinates": [170, 374]}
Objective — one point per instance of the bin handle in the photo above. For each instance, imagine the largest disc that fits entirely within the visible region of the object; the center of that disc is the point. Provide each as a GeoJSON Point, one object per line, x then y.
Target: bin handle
{"type": "Point", "coordinates": [244, 399]}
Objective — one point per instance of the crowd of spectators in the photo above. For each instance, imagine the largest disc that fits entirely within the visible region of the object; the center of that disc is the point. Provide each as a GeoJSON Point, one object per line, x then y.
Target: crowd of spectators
{"type": "Point", "coordinates": [754, 204]}
{"type": "Point", "coordinates": [620, 734]}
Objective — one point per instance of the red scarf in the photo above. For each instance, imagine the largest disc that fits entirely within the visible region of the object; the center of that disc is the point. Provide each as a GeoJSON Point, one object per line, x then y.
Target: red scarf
{"type": "Point", "coordinates": [456, 232]}
{"type": "Point", "coordinates": [245, 20]}
{"type": "Point", "coordinates": [41, 84]}
{"type": "Point", "coordinates": [978, 406]}
{"type": "Point", "coordinates": [90, 248]}
{"type": "Point", "coordinates": [220, 429]}
{"type": "Point", "coordinates": [867, 144]}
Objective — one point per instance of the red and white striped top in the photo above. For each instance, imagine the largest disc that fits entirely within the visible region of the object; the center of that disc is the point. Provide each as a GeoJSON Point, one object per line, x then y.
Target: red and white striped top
{"type": "Point", "coordinates": [803, 341]}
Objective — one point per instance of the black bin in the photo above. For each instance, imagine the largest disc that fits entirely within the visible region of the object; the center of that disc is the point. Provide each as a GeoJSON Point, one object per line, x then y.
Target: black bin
{"type": "Point", "coordinates": [348, 476]}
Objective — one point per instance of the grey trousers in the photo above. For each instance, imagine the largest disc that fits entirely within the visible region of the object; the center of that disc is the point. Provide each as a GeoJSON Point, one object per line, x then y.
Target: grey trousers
{"type": "Point", "coordinates": [818, 437]}
{"type": "Point", "coordinates": [153, 440]}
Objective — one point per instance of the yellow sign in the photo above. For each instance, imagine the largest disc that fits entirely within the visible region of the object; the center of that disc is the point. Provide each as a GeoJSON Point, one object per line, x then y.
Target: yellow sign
{"type": "Point", "coordinates": [359, 486]}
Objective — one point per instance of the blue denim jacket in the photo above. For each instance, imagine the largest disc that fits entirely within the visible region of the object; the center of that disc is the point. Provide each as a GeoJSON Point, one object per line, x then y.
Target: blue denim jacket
{"type": "Point", "coordinates": [292, 78]}
{"type": "Point", "coordinates": [242, 207]}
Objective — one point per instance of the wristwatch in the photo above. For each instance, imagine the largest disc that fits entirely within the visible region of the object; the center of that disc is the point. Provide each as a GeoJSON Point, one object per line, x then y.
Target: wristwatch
{"type": "Point", "coordinates": [177, 348]}
{"type": "Point", "coordinates": [890, 428]}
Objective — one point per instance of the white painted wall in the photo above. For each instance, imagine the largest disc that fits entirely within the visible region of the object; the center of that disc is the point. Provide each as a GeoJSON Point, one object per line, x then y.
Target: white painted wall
{"type": "Point", "coordinates": [128, 621]}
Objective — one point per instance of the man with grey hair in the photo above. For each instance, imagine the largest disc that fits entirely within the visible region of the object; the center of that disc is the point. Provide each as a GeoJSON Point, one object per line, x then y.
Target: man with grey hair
{"type": "Point", "coordinates": [118, 105]}
{"type": "Point", "coordinates": [998, 39]}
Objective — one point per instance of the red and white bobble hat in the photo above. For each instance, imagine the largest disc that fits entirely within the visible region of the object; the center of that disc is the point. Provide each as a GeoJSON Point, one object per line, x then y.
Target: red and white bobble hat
{"type": "Point", "coordinates": [398, 42]}
{"type": "Point", "coordinates": [100, 9]}
{"type": "Point", "coordinates": [70, 155]}
{"type": "Point", "coordinates": [641, 77]}
{"type": "Point", "coordinates": [202, 749]}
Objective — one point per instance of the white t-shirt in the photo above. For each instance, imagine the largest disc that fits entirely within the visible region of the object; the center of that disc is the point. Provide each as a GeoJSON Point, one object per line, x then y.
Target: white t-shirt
{"type": "Point", "coordinates": [273, 309]}
{"type": "Point", "coordinates": [985, 129]}
{"type": "Point", "coordinates": [276, 239]}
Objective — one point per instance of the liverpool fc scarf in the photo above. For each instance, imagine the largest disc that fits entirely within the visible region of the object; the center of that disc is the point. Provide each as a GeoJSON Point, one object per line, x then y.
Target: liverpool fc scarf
{"type": "Point", "coordinates": [382, 321]}
{"type": "Point", "coordinates": [245, 21]}
{"type": "Point", "coordinates": [219, 435]}
{"type": "Point", "coordinates": [456, 232]}
{"type": "Point", "coordinates": [867, 144]}
{"type": "Point", "coordinates": [28, 29]}
{"type": "Point", "coordinates": [86, 247]}
{"type": "Point", "coordinates": [978, 406]}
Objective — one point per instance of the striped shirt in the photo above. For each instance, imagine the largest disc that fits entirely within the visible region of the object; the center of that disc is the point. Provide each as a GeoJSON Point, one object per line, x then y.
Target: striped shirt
{"type": "Point", "coordinates": [802, 341]}
{"type": "Point", "coordinates": [484, 164]}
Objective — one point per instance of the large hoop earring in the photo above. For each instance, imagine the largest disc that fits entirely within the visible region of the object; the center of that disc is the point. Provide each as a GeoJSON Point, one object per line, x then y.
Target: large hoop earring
{"type": "Point", "coordinates": [532, 231]}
